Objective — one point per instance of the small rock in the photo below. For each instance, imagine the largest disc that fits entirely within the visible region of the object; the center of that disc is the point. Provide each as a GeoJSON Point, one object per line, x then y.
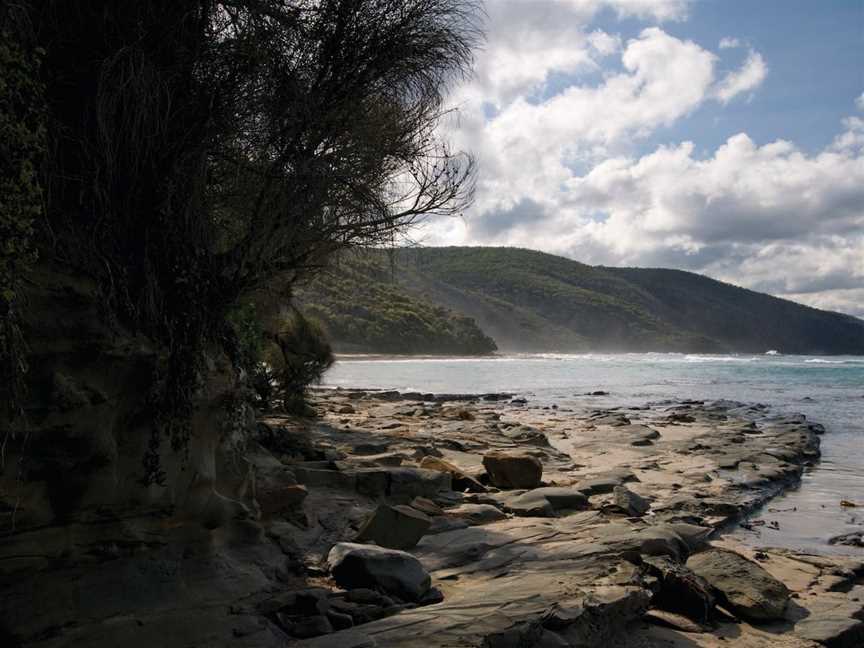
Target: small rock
{"type": "Point", "coordinates": [513, 470]}
{"type": "Point", "coordinates": [346, 409]}
{"type": "Point", "coordinates": [632, 504]}
{"type": "Point", "coordinates": [368, 566]}
{"type": "Point", "coordinates": [394, 527]}
{"type": "Point", "coordinates": [545, 502]}
{"type": "Point", "coordinates": [478, 513]}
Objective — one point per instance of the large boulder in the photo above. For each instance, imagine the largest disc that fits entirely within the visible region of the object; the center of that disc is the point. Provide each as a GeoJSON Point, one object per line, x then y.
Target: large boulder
{"type": "Point", "coordinates": [462, 481]}
{"type": "Point", "coordinates": [394, 527]}
{"type": "Point", "coordinates": [744, 586]}
{"type": "Point", "coordinates": [395, 572]}
{"type": "Point", "coordinates": [513, 470]}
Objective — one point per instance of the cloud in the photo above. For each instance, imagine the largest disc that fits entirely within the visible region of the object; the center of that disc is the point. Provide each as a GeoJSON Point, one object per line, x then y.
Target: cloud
{"type": "Point", "coordinates": [860, 101]}
{"type": "Point", "coordinates": [555, 115]}
{"type": "Point", "coordinates": [751, 74]}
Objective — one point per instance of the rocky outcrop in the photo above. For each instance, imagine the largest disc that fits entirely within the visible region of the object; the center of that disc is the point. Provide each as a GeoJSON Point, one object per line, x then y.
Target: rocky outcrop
{"type": "Point", "coordinates": [114, 529]}
{"type": "Point", "coordinates": [556, 564]}
{"type": "Point", "coordinates": [744, 586]}
{"type": "Point", "coordinates": [543, 502]}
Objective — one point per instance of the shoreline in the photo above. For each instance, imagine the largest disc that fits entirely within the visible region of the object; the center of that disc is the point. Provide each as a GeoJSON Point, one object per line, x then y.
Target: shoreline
{"type": "Point", "coordinates": [701, 468]}
{"type": "Point", "coordinates": [499, 522]}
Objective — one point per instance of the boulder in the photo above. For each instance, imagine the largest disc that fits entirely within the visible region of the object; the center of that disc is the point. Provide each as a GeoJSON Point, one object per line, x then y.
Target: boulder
{"type": "Point", "coordinates": [513, 470]}
{"type": "Point", "coordinates": [632, 504]}
{"type": "Point", "coordinates": [545, 502]}
{"type": "Point", "coordinates": [461, 480]}
{"type": "Point", "coordinates": [395, 572]}
{"type": "Point", "coordinates": [394, 527]}
{"type": "Point", "coordinates": [744, 586]}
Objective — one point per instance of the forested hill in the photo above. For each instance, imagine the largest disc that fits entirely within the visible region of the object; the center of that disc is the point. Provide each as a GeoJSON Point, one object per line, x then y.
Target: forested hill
{"type": "Point", "coordinates": [365, 311]}
{"type": "Point", "coordinates": [531, 301]}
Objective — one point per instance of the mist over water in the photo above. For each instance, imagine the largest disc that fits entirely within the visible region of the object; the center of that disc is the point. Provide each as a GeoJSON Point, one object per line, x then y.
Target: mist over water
{"type": "Point", "coordinates": [829, 390]}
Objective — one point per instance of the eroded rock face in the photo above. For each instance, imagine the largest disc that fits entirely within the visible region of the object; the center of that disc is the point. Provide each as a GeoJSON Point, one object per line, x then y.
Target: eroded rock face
{"type": "Point", "coordinates": [745, 586]}
{"type": "Point", "coordinates": [396, 572]}
{"type": "Point", "coordinates": [92, 538]}
{"type": "Point", "coordinates": [512, 470]}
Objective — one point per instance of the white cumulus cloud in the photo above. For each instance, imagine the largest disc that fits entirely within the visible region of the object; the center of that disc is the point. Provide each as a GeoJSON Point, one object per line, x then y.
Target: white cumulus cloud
{"type": "Point", "coordinates": [751, 74]}
{"type": "Point", "coordinates": [554, 114]}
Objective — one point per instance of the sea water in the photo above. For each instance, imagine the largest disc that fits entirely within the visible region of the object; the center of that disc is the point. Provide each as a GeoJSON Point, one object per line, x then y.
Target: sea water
{"type": "Point", "coordinates": [829, 390]}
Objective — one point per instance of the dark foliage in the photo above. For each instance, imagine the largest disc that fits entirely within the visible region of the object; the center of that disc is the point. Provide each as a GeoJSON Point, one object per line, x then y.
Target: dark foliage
{"type": "Point", "coordinates": [366, 310]}
{"type": "Point", "coordinates": [22, 147]}
{"type": "Point", "coordinates": [199, 150]}
{"type": "Point", "coordinates": [303, 355]}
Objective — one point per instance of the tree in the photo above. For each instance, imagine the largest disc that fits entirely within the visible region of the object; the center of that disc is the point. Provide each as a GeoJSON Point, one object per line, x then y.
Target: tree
{"type": "Point", "coordinates": [200, 151]}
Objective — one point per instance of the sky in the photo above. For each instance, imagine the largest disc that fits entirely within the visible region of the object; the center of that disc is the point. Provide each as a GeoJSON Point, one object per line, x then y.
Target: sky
{"type": "Point", "coordinates": [724, 137]}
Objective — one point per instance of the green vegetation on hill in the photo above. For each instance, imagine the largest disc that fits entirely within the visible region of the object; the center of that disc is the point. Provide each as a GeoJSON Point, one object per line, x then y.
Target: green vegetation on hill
{"type": "Point", "coordinates": [531, 301]}
{"type": "Point", "coordinates": [364, 310]}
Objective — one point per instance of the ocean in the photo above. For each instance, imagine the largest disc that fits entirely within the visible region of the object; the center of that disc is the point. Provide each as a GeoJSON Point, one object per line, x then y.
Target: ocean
{"type": "Point", "coordinates": [829, 390]}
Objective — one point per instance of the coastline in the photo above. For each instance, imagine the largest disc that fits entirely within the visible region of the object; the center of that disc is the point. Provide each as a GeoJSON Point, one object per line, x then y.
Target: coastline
{"type": "Point", "coordinates": [701, 467]}
{"type": "Point", "coordinates": [595, 549]}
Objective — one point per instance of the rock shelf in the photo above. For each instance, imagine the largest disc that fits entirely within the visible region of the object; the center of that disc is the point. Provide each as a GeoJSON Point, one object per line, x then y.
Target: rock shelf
{"type": "Point", "coordinates": [613, 539]}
